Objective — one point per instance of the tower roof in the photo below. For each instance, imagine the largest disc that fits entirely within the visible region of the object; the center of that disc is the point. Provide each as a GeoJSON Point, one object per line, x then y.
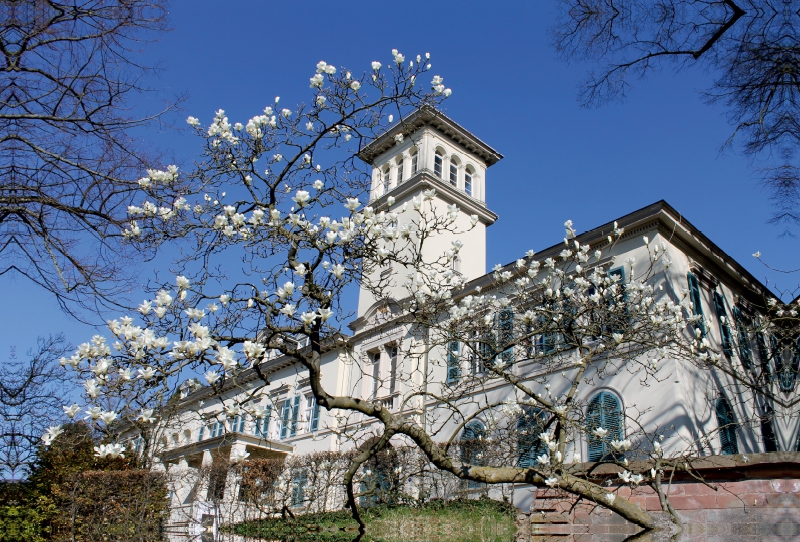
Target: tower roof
{"type": "Point", "coordinates": [430, 116]}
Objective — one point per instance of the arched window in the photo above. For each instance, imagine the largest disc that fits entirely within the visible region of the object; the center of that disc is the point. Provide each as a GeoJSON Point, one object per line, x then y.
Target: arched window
{"type": "Point", "coordinates": [604, 412]}
{"type": "Point", "coordinates": [385, 179]}
{"type": "Point", "coordinates": [529, 446]}
{"type": "Point", "coordinates": [438, 160]}
{"type": "Point", "coordinates": [400, 174]}
{"type": "Point", "coordinates": [453, 172]}
{"type": "Point", "coordinates": [473, 447]}
{"type": "Point", "coordinates": [468, 181]}
{"type": "Point", "coordinates": [457, 264]}
{"type": "Point", "coordinates": [414, 161]}
{"type": "Point", "coordinates": [727, 427]}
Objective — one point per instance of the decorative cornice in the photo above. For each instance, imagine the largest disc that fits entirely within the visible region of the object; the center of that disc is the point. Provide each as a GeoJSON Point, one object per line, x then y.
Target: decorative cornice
{"type": "Point", "coordinates": [429, 116]}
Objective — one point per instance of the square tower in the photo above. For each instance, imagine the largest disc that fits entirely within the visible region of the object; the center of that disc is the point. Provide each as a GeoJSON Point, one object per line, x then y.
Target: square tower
{"type": "Point", "coordinates": [427, 150]}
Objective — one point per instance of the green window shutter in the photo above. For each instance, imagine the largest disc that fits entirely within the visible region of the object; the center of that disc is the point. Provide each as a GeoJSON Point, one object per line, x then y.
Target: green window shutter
{"type": "Point", "coordinates": [453, 362]}
{"type": "Point", "coordinates": [604, 411]}
{"type": "Point", "coordinates": [745, 353]}
{"type": "Point", "coordinates": [200, 433]}
{"type": "Point", "coordinates": [295, 415]}
{"type": "Point", "coordinates": [505, 335]}
{"type": "Point", "coordinates": [315, 416]}
{"type": "Point", "coordinates": [261, 428]}
{"type": "Point", "coordinates": [472, 446]}
{"type": "Point", "coordinates": [724, 326]}
{"type": "Point", "coordinates": [727, 427]}
{"type": "Point", "coordinates": [529, 426]}
{"type": "Point", "coordinates": [695, 298]}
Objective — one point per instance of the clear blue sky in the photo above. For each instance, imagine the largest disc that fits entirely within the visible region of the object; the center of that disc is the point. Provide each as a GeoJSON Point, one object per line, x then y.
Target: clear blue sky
{"type": "Point", "coordinates": [561, 161]}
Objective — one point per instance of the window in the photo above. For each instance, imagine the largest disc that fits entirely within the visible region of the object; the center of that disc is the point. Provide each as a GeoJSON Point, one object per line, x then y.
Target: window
{"type": "Point", "coordinates": [289, 414]}
{"type": "Point", "coordinates": [299, 482]}
{"type": "Point", "coordinates": [604, 411]}
{"type": "Point", "coordinates": [400, 170]}
{"type": "Point", "coordinates": [456, 264]}
{"type": "Point", "coordinates": [694, 297]}
{"type": "Point", "coordinates": [725, 330]}
{"type": "Point", "coordinates": [745, 353]}
{"type": "Point", "coordinates": [217, 429]}
{"type": "Point", "coordinates": [468, 181]}
{"type": "Point", "coordinates": [414, 161]}
{"type": "Point", "coordinates": [375, 358]}
{"type": "Point", "coordinates": [618, 321]}
{"type": "Point", "coordinates": [453, 362]}
{"type": "Point", "coordinates": [385, 178]}
{"type": "Point", "coordinates": [238, 424]}
{"type": "Point", "coordinates": [727, 428]}
{"type": "Point", "coordinates": [392, 351]}
{"type": "Point", "coordinates": [529, 446]}
{"type": "Point", "coordinates": [312, 413]}
{"type": "Point", "coordinates": [473, 447]}
{"type": "Point", "coordinates": [201, 432]}
{"type": "Point", "coordinates": [261, 426]}
{"type": "Point", "coordinates": [453, 172]}
{"type": "Point", "coordinates": [767, 432]}
{"type": "Point", "coordinates": [438, 159]}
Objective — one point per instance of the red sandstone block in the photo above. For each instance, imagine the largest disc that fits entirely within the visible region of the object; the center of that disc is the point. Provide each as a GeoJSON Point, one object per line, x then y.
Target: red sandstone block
{"type": "Point", "coordinates": [624, 491]}
{"type": "Point", "coordinates": [653, 504]}
{"type": "Point", "coordinates": [786, 486]}
{"type": "Point", "coordinates": [644, 489]}
{"type": "Point", "coordinates": [755, 486]}
{"type": "Point", "coordinates": [783, 500]}
{"type": "Point", "coordinates": [677, 489]}
{"type": "Point", "coordinates": [726, 500]}
{"type": "Point", "coordinates": [639, 501]}
{"type": "Point", "coordinates": [698, 489]}
{"type": "Point", "coordinates": [694, 502]}
{"type": "Point", "coordinates": [757, 500]}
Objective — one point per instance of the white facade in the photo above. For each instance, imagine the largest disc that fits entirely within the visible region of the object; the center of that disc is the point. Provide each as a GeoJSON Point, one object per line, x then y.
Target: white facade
{"type": "Point", "coordinates": [369, 364]}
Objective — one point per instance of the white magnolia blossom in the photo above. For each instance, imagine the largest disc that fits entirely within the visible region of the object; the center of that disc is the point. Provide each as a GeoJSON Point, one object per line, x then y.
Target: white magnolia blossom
{"type": "Point", "coordinates": [50, 435]}
{"type": "Point", "coordinates": [112, 451]}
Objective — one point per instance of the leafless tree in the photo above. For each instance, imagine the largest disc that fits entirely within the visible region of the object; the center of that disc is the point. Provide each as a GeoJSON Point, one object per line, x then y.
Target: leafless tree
{"type": "Point", "coordinates": [68, 161]}
{"type": "Point", "coordinates": [31, 396]}
{"type": "Point", "coordinates": [750, 46]}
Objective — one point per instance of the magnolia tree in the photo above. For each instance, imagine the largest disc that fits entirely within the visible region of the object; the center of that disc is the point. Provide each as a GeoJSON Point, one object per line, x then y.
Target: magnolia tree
{"type": "Point", "coordinates": [275, 225]}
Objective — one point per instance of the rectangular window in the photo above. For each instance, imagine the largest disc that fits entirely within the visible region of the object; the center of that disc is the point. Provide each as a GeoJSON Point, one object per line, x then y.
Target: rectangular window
{"type": "Point", "coordinates": [295, 415]}
{"type": "Point", "coordinates": [437, 165]}
{"type": "Point", "coordinates": [238, 424]}
{"type": "Point", "coordinates": [200, 433]}
{"type": "Point", "coordinates": [453, 362]}
{"type": "Point", "coordinates": [299, 482]}
{"type": "Point", "coordinates": [414, 163]}
{"type": "Point", "coordinates": [392, 350]}
{"type": "Point", "coordinates": [261, 426]}
{"type": "Point", "coordinates": [217, 429]}
{"type": "Point", "coordinates": [400, 171]}
{"type": "Point", "coordinates": [375, 357]}
{"type": "Point", "coordinates": [453, 174]}
{"type": "Point", "coordinates": [312, 413]}
{"type": "Point", "coordinates": [468, 183]}
{"type": "Point", "coordinates": [286, 418]}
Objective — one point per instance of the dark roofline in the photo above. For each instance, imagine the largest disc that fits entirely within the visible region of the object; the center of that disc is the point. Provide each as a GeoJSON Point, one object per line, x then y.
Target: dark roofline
{"type": "Point", "coordinates": [430, 116]}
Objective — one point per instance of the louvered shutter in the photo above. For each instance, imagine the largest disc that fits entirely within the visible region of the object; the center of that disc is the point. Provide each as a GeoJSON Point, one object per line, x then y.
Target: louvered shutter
{"type": "Point", "coordinates": [453, 362]}
{"type": "Point", "coordinates": [604, 411]}
{"type": "Point", "coordinates": [529, 446]}
{"type": "Point", "coordinates": [725, 330]}
{"type": "Point", "coordinates": [295, 415]}
{"type": "Point", "coordinates": [694, 295]}
{"type": "Point", "coordinates": [200, 433]}
{"type": "Point", "coordinates": [286, 413]}
{"type": "Point", "coordinates": [315, 415]}
{"type": "Point", "coordinates": [727, 429]}
{"type": "Point", "coordinates": [505, 334]}
{"type": "Point", "coordinates": [742, 337]}
{"type": "Point", "coordinates": [472, 446]}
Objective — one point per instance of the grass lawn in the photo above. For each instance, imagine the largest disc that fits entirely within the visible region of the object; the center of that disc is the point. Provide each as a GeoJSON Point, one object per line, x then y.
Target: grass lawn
{"type": "Point", "coordinates": [481, 520]}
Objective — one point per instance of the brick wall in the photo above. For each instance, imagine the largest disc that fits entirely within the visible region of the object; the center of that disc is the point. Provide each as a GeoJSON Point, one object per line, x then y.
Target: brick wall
{"type": "Point", "coordinates": [737, 504]}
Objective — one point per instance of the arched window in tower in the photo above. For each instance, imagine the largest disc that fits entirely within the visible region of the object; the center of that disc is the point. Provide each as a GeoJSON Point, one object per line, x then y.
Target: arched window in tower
{"type": "Point", "coordinates": [385, 179]}
{"type": "Point", "coordinates": [727, 428]}
{"type": "Point", "coordinates": [400, 174]}
{"type": "Point", "coordinates": [604, 412]}
{"type": "Point", "coordinates": [414, 161]}
{"type": "Point", "coordinates": [438, 161]}
{"type": "Point", "coordinates": [453, 172]}
{"type": "Point", "coordinates": [468, 181]}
